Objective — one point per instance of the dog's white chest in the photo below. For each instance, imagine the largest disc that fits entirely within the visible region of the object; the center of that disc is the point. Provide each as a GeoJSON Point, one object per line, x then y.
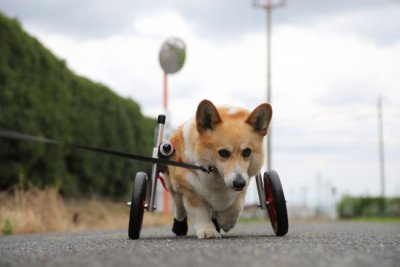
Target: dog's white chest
{"type": "Point", "coordinates": [213, 191]}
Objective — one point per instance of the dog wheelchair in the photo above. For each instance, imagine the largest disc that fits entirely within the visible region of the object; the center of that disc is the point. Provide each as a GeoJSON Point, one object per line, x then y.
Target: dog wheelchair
{"type": "Point", "coordinates": [269, 188]}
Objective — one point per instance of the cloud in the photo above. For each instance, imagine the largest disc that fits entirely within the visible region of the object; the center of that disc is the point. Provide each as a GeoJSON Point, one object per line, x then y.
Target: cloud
{"type": "Point", "coordinates": [164, 23]}
{"type": "Point", "coordinates": [219, 20]}
{"type": "Point", "coordinates": [377, 25]}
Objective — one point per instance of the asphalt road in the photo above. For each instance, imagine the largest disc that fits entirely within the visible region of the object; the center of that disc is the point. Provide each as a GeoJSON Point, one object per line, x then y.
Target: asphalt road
{"type": "Point", "coordinates": [307, 244]}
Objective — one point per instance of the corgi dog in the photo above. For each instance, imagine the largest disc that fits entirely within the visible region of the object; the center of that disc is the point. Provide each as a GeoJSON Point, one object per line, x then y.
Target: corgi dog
{"type": "Point", "coordinates": [230, 141]}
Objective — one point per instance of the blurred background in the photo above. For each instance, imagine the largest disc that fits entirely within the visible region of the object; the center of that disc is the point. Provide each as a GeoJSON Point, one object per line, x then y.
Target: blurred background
{"type": "Point", "coordinates": [335, 89]}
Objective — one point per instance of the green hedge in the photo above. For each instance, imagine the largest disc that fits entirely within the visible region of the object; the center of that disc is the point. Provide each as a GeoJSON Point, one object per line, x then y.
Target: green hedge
{"type": "Point", "coordinates": [39, 95]}
{"type": "Point", "coordinates": [351, 207]}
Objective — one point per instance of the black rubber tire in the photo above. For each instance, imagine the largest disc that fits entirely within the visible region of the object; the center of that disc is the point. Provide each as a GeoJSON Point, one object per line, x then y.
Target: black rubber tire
{"type": "Point", "coordinates": [137, 205]}
{"type": "Point", "coordinates": [276, 203]}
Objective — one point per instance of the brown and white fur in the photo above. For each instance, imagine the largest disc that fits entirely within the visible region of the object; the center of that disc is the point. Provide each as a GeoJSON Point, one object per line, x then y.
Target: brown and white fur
{"type": "Point", "coordinates": [230, 140]}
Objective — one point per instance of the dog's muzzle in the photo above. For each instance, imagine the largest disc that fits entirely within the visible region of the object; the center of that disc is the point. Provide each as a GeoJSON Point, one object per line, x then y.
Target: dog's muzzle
{"type": "Point", "coordinates": [239, 183]}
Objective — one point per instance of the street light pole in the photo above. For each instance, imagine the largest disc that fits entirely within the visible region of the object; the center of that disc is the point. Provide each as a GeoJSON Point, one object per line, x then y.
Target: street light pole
{"type": "Point", "coordinates": [269, 136]}
{"type": "Point", "coordinates": [268, 10]}
{"type": "Point", "coordinates": [268, 7]}
{"type": "Point", "coordinates": [381, 147]}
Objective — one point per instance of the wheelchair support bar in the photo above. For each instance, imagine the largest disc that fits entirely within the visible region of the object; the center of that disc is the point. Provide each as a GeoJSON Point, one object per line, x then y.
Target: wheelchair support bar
{"type": "Point", "coordinates": [261, 192]}
{"type": "Point", "coordinates": [152, 186]}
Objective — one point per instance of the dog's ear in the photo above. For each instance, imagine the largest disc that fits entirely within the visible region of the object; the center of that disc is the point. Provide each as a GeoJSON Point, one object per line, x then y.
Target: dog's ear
{"type": "Point", "coordinates": [260, 118]}
{"type": "Point", "coordinates": [207, 116]}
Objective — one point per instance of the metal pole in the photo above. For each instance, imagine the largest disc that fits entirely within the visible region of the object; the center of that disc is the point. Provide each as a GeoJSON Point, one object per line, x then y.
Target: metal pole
{"type": "Point", "coordinates": [268, 7]}
{"type": "Point", "coordinates": [381, 147]}
{"type": "Point", "coordinates": [165, 106]}
{"type": "Point", "coordinates": [165, 93]}
{"type": "Point", "coordinates": [172, 57]}
{"type": "Point", "coordinates": [269, 141]}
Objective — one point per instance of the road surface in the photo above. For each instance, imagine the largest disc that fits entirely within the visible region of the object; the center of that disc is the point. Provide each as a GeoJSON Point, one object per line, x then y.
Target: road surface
{"type": "Point", "coordinates": [250, 245]}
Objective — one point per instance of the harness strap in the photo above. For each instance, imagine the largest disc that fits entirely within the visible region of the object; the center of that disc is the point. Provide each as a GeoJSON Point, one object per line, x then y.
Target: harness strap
{"type": "Point", "coordinates": [163, 182]}
{"type": "Point", "coordinates": [21, 136]}
{"type": "Point", "coordinates": [209, 169]}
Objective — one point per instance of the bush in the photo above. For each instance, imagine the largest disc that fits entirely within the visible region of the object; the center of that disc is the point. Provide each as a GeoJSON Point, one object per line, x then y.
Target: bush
{"type": "Point", "coordinates": [7, 228]}
{"type": "Point", "coordinates": [351, 207]}
{"type": "Point", "coordinates": [40, 96]}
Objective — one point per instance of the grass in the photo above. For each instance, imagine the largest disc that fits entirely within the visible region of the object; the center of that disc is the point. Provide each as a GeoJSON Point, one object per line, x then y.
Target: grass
{"type": "Point", "coordinates": [44, 210]}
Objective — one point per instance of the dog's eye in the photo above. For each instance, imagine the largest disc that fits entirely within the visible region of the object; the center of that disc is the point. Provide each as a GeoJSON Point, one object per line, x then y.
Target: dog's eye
{"type": "Point", "coordinates": [224, 153]}
{"type": "Point", "coordinates": [246, 152]}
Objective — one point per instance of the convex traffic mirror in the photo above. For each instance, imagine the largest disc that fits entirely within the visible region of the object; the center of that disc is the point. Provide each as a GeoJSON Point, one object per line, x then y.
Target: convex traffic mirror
{"type": "Point", "coordinates": [172, 55]}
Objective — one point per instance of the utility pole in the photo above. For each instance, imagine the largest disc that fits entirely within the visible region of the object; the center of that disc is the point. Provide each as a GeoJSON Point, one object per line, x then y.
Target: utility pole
{"type": "Point", "coordinates": [319, 202]}
{"type": "Point", "coordinates": [381, 147]}
{"type": "Point", "coordinates": [268, 7]}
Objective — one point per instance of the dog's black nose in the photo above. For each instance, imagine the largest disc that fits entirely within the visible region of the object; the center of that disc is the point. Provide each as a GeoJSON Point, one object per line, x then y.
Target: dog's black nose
{"type": "Point", "coordinates": [239, 183]}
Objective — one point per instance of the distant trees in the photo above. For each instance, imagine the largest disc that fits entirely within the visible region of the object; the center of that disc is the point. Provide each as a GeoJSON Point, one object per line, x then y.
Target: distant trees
{"type": "Point", "coordinates": [353, 207]}
{"type": "Point", "coordinates": [39, 95]}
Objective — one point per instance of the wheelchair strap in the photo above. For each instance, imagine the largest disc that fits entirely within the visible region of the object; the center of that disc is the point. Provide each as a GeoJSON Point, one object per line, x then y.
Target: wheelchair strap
{"type": "Point", "coordinates": [22, 136]}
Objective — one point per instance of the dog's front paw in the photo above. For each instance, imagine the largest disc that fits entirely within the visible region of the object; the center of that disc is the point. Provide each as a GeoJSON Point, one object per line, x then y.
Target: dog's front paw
{"type": "Point", "coordinates": [225, 222]}
{"type": "Point", "coordinates": [228, 226]}
{"type": "Point", "coordinates": [208, 232]}
{"type": "Point", "coordinates": [180, 228]}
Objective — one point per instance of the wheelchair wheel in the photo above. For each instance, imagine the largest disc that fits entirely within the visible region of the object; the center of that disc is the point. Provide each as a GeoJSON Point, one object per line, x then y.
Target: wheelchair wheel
{"type": "Point", "coordinates": [137, 205]}
{"type": "Point", "coordinates": [276, 203]}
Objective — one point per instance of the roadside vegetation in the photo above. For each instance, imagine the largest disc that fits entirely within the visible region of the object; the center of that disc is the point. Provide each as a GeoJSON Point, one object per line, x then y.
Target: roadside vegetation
{"type": "Point", "coordinates": [41, 96]}
{"type": "Point", "coordinates": [47, 188]}
{"type": "Point", "coordinates": [375, 209]}
{"type": "Point", "coordinates": [45, 210]}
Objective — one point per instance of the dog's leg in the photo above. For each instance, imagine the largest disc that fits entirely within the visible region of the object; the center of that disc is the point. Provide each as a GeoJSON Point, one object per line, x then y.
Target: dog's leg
{"type": "Point", "coordinates": [180, 226]}
{"type": "Point", "coordinates": [201, 217]}
{"type": "Point", "coordinates": [227, 218]}
{"type": "Point", "coordinates": [180, 212]}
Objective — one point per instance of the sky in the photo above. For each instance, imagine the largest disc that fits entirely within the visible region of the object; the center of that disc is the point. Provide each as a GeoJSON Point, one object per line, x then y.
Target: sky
{"type": "Point", "coordinates": [331, 61]}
